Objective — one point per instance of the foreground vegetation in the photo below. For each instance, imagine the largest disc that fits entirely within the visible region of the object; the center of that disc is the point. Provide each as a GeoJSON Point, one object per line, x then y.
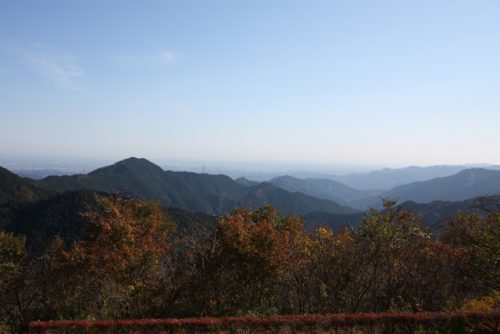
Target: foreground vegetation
{"type": "Point", "coordinates": [128, 263]}
{"type": "Point", "coordinates": [468, 322]}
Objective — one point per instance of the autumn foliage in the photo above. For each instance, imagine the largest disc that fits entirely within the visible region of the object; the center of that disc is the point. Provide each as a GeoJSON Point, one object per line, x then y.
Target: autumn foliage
{"type": "Point", "coordinates": [252, 268]}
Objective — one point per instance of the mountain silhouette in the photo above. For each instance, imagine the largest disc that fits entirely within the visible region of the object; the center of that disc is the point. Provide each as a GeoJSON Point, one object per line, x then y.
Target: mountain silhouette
{"type": "Point", "coordinates": [206, 193]}
{"type": "Point", "coordinates": [465, 184]}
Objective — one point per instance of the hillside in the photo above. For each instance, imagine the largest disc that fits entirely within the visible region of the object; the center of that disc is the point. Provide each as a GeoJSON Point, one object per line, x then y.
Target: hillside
{"type": "Point", "coordinates": [65, 215]}
{"type": "Point", "coordinates": [62, 214]}
{"type": "Point", "coordinates": [246, 182]}
{"type": "Point", "coordinates": [323, 188]}
{"type": "Point", "coordinates": [210, 194]}
{"type": "Point", "coordinates": [15, 188]}
{"type": "Point", "coordinates": [290, 203]}
{"type": "Point", "coordinates": [336, 222]}
{"type": "Point", "coordinates": [142, 179]}
{"type": "Point", "coordinates": [434, 214]}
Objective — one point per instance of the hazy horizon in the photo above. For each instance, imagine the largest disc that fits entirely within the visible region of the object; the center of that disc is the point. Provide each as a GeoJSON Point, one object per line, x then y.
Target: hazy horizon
{"type": "Point", "coordinates": [324, 83]}
{"type": "Point", "coordinates": [258, 171]}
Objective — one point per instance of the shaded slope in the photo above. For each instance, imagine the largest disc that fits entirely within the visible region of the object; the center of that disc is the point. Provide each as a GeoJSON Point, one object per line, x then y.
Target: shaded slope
{"type": "Point", "coordinates": [142, 179]}
{"type": "Point", "coordinates": [137, 177]}
{"type": "Point", "coordinates": [323, 188]}
{"type": "Point", "coordinates": [214, 194]}
{"type": "Point", "coordinates": [61, 214]}
{"type": "Point", "coordinates": [290, 203]}
{"type": "Point", "coordinates": [65, 215]}
{"type": "Point", "coordinates": [434, 214]}
{"type": "Point", "coordinates": [246, 182]}
{"type": "Point", "coordinates": [15, 188]}
{"type": "Point", "coordinates": [336, 222]}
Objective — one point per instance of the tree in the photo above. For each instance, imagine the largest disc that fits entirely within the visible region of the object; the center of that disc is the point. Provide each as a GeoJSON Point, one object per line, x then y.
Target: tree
{"type": "Point", "coordinates": [479, 238]}
{"type": "Point", "coordinates": [12, 255]}
{"type": "Point", "coordinates": [118, 267]}
{"type": "Point", "coordinates": [398, 266]}
{"type": "Point", "coordinates": [245, 267]}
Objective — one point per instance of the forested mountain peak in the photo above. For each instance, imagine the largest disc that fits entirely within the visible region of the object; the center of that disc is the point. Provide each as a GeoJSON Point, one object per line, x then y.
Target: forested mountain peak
{"type": "Point", "coordinates": [131, 165]}
{"type": "Point", "coordinates": [206, 193]}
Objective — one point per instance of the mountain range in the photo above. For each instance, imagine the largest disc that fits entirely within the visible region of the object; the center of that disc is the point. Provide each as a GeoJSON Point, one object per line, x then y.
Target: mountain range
{"type": "Point", "coordinates": [324, 188]}
{"type": "Point", "coordinates": [433, 214]}
{"type": "Point", "coordinates": [219, 194]}
{"type": "Point", "coordinates": [465, 184]}
{"type": "Point", "coordinates": [388, 178]}
{"type": "Point", "coordinates": [55, 205]}
{"type": "Point", "coordinates": [41, 214]}
{"type": "Point", "coordinates": [206, 193]}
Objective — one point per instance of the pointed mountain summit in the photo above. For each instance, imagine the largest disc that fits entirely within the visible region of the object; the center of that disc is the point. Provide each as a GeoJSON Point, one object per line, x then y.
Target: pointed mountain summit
{"type": "Point", "coordinates": [140, 178]}
{"type": "Point", "coordinates": [131, 165]}
{"type": "Point", "coordinates": [136, 177]}
{"type": "Point", "coordinates": [212, 194]}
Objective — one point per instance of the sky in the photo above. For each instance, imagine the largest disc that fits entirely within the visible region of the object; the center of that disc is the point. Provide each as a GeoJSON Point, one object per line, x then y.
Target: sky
{"type": "Point", "coordinates": [351, 82]}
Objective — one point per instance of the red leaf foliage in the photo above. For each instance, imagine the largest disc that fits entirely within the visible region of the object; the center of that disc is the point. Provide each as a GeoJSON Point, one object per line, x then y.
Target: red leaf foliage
{"type": "Point", "coordinates": [488, 322]}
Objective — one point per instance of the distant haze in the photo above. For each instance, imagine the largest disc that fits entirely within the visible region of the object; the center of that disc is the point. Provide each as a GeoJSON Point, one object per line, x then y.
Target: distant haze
{"type": "Point", "coordinates": [344, 84]}
{"type": "Point", "coordinates": [260, 171]}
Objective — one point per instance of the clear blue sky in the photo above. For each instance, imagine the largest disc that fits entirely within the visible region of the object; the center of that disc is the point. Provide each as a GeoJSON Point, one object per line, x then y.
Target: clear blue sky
{"type": "Point", "coordinates": [349, 82]}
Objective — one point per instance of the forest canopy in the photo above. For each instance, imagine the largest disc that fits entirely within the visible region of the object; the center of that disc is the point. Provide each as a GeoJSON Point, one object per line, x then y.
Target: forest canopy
{"type": "Point", "coordinates": [128, 262]}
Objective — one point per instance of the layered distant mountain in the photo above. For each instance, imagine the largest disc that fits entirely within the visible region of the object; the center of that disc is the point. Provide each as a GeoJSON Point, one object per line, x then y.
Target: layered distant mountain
{"type": "Point", "coordinates": [296, 202]}
{"type": "Point", "coordinates": [466, 184]}
{"type": "Point", "coordinates": [211, 194]}
{"type": "Point", "coordinates": [388, 178]}
{"type": "Point", "coordinates": [246, 182]}
{"type": "Point", "coordinates": [434, 214]}
{"type": "Point", "coordinates": [323, 188]}
{"type": "Point", "coordinates": [39, 173]}
{"type": "Point", "coordinates": [40, 209]}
